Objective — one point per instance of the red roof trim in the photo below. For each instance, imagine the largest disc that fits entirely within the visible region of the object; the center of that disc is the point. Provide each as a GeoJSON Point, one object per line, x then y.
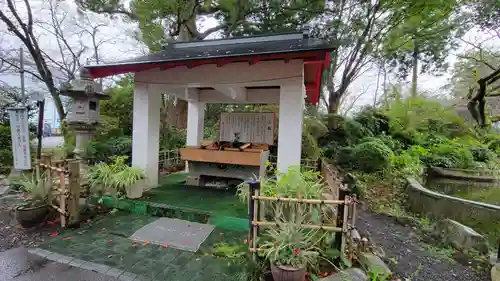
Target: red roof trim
{"type": "Point", "coordinates": [321, 58]}
{"type": "Point", "coordinates": [109, 70]}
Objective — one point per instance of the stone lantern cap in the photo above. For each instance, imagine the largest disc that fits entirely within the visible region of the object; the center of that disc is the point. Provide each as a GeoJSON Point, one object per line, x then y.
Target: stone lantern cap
{"type": "Point", "coordinates": [83, 86]}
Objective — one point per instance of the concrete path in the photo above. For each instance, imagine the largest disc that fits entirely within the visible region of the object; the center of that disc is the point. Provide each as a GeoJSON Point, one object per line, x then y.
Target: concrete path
{"type": "Point", "coordinates": [19, 265]}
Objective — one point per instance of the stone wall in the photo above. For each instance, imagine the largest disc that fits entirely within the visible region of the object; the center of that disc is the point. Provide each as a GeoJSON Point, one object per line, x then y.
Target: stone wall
{"type": "Point", "coordinates": [486, 176]}
{"type": "Point", "coordinates": [484, 218]}
{"type": "Point", "coordinates": [332, 179]}
{"type": "Point", "coordinates": [333, 182]}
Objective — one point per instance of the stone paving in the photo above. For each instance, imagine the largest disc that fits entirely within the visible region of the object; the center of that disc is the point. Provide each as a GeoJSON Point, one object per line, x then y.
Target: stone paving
{"type": "Point", "coordinates": [103, 246]}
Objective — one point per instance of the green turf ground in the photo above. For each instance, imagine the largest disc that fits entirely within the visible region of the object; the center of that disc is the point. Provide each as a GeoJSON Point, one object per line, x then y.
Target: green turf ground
{"type": "Point", "coordinates": [105, 241]}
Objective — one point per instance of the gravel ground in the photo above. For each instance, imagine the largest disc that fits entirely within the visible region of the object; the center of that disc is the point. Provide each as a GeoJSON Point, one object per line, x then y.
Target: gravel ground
{"type": "Point", "coordinates": [409, 257]}
{"type": "Point", "coordinates": [12, 235]}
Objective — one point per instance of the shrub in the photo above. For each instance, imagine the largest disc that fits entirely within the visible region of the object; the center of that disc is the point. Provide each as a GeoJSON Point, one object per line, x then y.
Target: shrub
{"type": "Point", "coordinates": [373, 120]}
{"type": "Point", "coordinates": [450, 154]}
{"type": "Point", "coordinates": [482, 154]}
{"type": "Point", "coordinates": [368, 157]}
{"type": "Point", "coordinates": [424, 115]}
{"type": "Point", "coordinates": [6, 160]}
{"type": "Point", "coordinates": [171, 138]}
{"type": "Point", "coordinates": [344, 131]}
{"type": "Point", "coordinates": [102, 151]}
{"type": "Point", "coordinates": [372, 156]}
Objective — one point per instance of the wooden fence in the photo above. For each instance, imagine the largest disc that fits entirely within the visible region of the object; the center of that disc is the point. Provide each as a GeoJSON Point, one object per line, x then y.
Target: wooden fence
{"type": "Point", "coordinates": [63, 176]}
{"type": "Point", "coordinates": [342, 226]}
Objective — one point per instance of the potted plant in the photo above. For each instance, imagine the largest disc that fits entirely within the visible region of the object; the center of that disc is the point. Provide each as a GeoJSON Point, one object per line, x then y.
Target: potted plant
{"type": "Point", "coordinates": [131, 180]}
{"type": "Point", "coordinates": [116, 178]}
{"type": "Point", "coordinates": [35, 207]}
{"type": "Point", "coordinates": [290, 248]}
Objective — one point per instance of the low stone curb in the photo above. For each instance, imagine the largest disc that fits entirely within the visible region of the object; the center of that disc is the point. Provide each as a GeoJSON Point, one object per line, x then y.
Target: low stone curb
{"type": "Point", "coordinates": [99, 268]}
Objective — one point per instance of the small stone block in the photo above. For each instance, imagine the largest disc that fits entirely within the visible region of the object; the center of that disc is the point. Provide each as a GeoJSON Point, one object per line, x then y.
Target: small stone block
{"type": "Point", "coordinates": [101, 268]}
{"type": "Point", "coordinates": [34, 251]}
{"type": "Point", "coordinates": [114, 272]}
{"type": "Point", "coordinates": [127, 276]}
{"type": "Point", "coordinates": [76, 263]}
{"type": "Point", "coordinates": [65, 259]}
{"type": "Point", "coordinates": [93, 266]}
{"type": "Point", "coordinates": [43, 253]}
{"type": "Point", "coordinates": [86, 265]}
{"type": "Point", "coordinates": [53, 256]}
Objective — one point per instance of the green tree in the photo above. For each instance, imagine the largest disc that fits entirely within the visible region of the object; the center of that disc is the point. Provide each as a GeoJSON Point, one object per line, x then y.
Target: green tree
{"type": "Point", "coordinates": [486, 13]}
{"type": "Point", "coordinates": [161, 20]}
{"type": "Point", "coordinates": [116, 113]}
{"type": "Point", "coordinates": [481, 62]}
{"type": "Point", "coordinates": [426, 37]}
{"type": "Point", "coordinates": [364, 30]}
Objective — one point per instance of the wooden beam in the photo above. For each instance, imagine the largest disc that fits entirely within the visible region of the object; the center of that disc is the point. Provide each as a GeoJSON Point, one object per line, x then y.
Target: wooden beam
{"type": "Point", "coordinates": [222, 157]}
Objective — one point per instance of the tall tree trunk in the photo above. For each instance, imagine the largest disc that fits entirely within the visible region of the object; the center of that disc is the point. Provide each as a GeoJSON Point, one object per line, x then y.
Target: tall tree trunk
{"type": "Point", "coordinates": [415, 72]}
{"type": "Point", "coordinates": [174, 113]}
{"type": "Point", "coordinates": [334, 100]}
{"type": "Point", "coordinates": [386, 98]}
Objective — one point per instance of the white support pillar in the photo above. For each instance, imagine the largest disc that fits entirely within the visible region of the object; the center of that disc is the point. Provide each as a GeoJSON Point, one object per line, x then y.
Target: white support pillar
{"type": "Point", "coordinates": [290, 124]}
{"type": "Point", "coordinates": [146, 132]}
{"type": "Point", "coordinates": [196, 118]}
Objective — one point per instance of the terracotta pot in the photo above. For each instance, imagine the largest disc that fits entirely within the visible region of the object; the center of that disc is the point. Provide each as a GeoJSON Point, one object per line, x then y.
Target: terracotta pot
{"type": "Point", "coordinates": [287, 273]}
{"type": "Point", "coordinates": [29, 217]}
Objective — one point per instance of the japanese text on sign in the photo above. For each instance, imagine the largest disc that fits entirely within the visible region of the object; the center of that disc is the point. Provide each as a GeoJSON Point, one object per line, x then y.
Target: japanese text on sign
{"type": "Point", "coordinates": [20, 138]}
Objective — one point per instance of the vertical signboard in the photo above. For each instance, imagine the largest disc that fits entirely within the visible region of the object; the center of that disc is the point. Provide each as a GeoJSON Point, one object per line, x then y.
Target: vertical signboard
{"type": "Point", "coordinates": [20, 138]}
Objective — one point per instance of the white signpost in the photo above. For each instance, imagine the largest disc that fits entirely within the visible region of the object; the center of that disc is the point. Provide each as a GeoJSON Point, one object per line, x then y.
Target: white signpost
{"type": "Point", "coordinates": [20, 138]}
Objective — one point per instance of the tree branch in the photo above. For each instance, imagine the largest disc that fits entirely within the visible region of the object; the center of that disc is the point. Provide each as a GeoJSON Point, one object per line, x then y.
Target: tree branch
{"type": "Point", "coordinates": [478, 61]}
{"type": "Point", "coordinates": [19, 68]}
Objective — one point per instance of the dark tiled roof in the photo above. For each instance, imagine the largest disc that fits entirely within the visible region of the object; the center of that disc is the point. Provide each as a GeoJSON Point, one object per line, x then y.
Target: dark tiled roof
{"type": "Point", "coordinates": [233, 47]}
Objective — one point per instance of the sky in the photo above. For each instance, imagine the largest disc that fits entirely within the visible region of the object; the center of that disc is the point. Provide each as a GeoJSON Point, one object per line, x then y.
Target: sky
{"type": "Point", "coordinates": [119, 43]}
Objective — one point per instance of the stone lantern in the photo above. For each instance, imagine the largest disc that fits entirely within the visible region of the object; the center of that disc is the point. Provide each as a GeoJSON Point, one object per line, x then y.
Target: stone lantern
{"type": "Point", "coordinates": [83, 111]}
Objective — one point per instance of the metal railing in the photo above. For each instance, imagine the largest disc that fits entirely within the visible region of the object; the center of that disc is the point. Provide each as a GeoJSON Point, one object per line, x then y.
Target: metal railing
{"type": "Point", "coordinates": [308, 164]}
{"type": "Point", "coordinates": [169, 158]}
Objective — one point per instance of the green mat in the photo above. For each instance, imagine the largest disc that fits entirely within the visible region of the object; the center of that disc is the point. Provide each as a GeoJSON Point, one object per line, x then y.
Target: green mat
{"type": "Point", "coordinates": [218, 202]}
{"type": "Point", "coordinates": [172, 199]}
{"type": "Point", "coordinates": [230, 223]}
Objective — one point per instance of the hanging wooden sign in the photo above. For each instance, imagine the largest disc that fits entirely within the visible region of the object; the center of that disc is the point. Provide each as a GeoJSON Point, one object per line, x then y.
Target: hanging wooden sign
{"type": "Point", "coordinates": [245, 127]}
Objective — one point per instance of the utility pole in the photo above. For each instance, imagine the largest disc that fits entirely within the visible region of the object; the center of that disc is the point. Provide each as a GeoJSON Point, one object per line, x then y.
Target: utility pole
{"type": "Point", "coordinates": [21, 73]}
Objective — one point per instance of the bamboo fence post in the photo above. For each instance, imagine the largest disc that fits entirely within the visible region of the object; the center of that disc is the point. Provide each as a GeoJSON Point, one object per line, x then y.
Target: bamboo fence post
{"type": "Point", "coordinates": [62, 200]}
{"type": "Point", "coordinates": [74, 192]}
{"type": "Point", "coordinates": [255, 217]}
{"type": "Point", "coordinates": [46, 162]}
{"type": "Point", "coordinates": [345, 225]}
{"type": "Point", "coordinates": [253, 187]}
